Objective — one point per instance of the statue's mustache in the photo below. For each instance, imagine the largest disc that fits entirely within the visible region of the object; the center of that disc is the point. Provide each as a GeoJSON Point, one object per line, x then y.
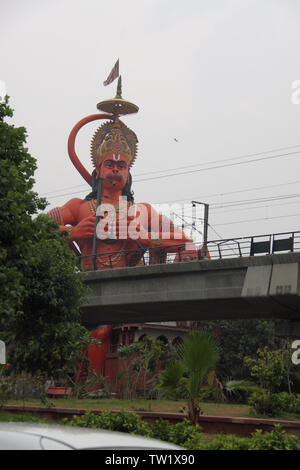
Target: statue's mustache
{"type": "Point", "coordinates": [114, 176]}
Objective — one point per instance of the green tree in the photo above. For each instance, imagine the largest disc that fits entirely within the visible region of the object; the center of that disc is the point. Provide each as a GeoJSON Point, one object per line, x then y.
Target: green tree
{"type": "Point", "coordinates": [41, 291]}
{"type": "Point", "coordinates": [48, 336]}
{"type": "Point", "coordinates": [270, 368]}
{"type": "Point", "coordinates": [18, 203]}
{"type": "Point", "coordinates": [142, 362]}
{"type": "Point", "coordinates": [237, 339]}
{"type": "Point", "coordinates": [197, 357]}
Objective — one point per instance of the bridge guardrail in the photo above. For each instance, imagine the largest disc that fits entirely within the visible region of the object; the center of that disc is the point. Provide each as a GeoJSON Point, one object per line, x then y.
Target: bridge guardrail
{"type": "Point", "coordinates": [216, 249]}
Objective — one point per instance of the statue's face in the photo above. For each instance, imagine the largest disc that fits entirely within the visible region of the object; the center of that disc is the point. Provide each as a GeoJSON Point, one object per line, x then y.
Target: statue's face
{"type": "Point", "coordinates": [116, 154]}
{"type": "Point", "coordinates": [114, 168]}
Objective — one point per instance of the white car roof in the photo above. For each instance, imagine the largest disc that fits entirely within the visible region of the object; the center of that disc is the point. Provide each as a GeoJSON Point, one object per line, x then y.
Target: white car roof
{"type": "Point", "coordinates": [53, 437]}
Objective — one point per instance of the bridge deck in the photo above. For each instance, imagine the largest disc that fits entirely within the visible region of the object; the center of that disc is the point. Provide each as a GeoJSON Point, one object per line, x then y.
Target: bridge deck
{"type": "Point", "coordinates": [250, 287]}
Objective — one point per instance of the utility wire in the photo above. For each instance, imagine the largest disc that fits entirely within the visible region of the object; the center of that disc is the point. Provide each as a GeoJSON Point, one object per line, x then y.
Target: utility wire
{"type": "Point", "coordinates": [224, 205]}
{"type": "Point", "coordinates": [255, 207]}
{"type": "Point", "coordinates": [256, 220]}
{"type": "Point", "coordinates": [257, 188]}
{"type": "Point", "coordinates": [217, 167]}
{"type": "Point", "coordinates": [191, 166]}
{"type": "Point", "coordinates": [219, 161]}
{"type": "Point", "coordinates": [250, 201]}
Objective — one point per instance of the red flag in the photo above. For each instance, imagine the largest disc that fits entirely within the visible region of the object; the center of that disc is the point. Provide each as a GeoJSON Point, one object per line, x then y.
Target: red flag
{"type": "Point", "coordinates": [113, 74]}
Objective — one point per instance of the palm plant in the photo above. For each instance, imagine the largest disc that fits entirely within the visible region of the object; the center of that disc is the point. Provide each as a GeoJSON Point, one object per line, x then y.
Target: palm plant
{"type": "Point", "coordinates": [196, 358]}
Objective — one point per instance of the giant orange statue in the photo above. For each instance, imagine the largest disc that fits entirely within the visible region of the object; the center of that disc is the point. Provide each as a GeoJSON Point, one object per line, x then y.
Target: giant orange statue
{"type": "Point", "coordinates": [108, 227]}
{"type": "Point", "coordinates": [122, 230]}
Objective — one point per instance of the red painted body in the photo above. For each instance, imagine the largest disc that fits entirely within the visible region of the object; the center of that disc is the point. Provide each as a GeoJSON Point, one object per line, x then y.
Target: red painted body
{"type": "Point", "coordinates": [97, 354]}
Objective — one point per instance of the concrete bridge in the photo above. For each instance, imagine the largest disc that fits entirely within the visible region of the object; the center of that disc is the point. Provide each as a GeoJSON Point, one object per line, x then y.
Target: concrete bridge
{"type": "Point", "coordinates": [234, 288]}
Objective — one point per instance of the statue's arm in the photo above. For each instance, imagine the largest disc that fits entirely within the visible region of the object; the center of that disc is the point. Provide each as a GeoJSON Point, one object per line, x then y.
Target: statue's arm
{"type": "Point", "coordinates": [66, 216]}
{"type": "Point", "coordinates": [159, 230]}
{"type": "Point", "coordinates": [69, 217]}
{"type": "Point", "coordinates": [172, 239]}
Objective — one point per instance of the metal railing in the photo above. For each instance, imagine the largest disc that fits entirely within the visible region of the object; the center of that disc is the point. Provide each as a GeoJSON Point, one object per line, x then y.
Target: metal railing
{"type": "Point", "coordinates": [216, 249]}
{"type": "Point", "coordinates": [255, 245]}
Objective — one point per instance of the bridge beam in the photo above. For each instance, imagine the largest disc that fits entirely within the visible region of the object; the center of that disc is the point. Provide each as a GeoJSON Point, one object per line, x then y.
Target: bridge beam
{"type": "Point", "coordinates": [253, 287]}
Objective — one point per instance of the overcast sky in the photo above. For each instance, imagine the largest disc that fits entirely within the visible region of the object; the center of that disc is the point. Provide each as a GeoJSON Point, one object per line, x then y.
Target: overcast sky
{"type": "Point", "coordinates": [215, 75]}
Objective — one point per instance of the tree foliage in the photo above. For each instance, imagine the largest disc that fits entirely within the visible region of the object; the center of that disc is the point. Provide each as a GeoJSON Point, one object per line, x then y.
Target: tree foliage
{"type": "Point", "coordinates": [142, 361]}
{"type": "Point", "coordinates": [269, 368]}
{"type": "Point", "coordinates": [18, 203]}
{"type": "Point", "coordinates": [41, 291]}
{"type": "Point", "coordinates": [237, 339]}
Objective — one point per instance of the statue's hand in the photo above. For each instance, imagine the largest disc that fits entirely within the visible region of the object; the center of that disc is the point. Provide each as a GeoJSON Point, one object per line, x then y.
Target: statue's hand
{"type": "Point", "coordinates": [126, 227]}
{"type": "Point", "coordinates": [83, 230]}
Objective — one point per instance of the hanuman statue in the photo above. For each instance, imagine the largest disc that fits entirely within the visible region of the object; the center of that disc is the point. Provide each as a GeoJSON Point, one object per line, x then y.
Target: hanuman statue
{"type": "Point", "coordinates": [119, 239]}
{"type": "Point", "coordinates": [104, 240]}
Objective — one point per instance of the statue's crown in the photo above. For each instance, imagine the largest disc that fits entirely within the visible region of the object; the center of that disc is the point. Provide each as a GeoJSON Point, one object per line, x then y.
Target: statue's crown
{"type": "Point", "coordinates": [116, 137]}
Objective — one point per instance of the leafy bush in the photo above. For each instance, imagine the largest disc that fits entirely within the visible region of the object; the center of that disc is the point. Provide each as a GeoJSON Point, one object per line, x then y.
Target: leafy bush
{"type": "Point", "coordinates": [266, 403]}
{"type": "Point", "coordinates": [132, 423]}
{"type": "Point", "coordinates": [290, 402]}
{"type": "Point", "coordinates": [272, 404]}
{"type": "Point", "coordinates": [274, 440]}
{"type": "Point", "coordinates": [228, 442]}
{"type": "Point", "coordinates": [121, 421]}
{"type": "Point", "coordinates": [296, 404]}
{"type": "Point", "coordinates": [278, 439]}
{"type": "Point", "coordinates": [161, 429]}
{"type": "Point", "coordinates": [183, 431]}
{"type": "Point", "coordinates": [186, 435]}
{"type": "Point", "coordinates": [287, 401]}
{"type": "Point", "coordinates": [268, 367]}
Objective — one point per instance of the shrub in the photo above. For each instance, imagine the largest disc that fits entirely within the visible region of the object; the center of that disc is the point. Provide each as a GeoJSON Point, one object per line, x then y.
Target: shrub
{"type": "Point", "coordinates": [228, 442]}
{"type": "Point", "coordinates": [266, 403]}
{"type": "Point", "coordinates": [296, 404]}
{"type": "Point", "coordinates": [183, 431]}
{"type": "Point", "coordinates": [186, 435]}
{"type": "Point", "coordinates": [272, 404]}
{"type": "Point", "coordinates": [132, 423]}
{"type": "Point", "coordinates": [178, 433]}
{"type": "Point", "coordinates": [161, 429]}
{"type": "Point", "coordinates": [274, 440]}
{"type": "Point", "coordinates": [287, 401]}
{"type": "Point", "coordinates": [121, 421]}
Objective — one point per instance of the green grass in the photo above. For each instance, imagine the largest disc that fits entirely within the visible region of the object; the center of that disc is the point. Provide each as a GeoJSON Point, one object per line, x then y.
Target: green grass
{"type": "Point", "coordinates": [164, 406]}
{"type": "Point", "coordinates": [26, 418]}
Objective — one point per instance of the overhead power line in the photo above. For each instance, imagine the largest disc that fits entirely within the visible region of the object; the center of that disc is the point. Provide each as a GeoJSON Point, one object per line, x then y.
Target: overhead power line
{"type": "Point", "coordinates": [251, 201]}
{"type": "Point", "coordinates": [218, 167]}
{"type": "Point", "coordinates": [220, 161]}
{"type": "Point", "coordinates": [259, 219]}
{"type": "Point", "coordinates": [185, 167]}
